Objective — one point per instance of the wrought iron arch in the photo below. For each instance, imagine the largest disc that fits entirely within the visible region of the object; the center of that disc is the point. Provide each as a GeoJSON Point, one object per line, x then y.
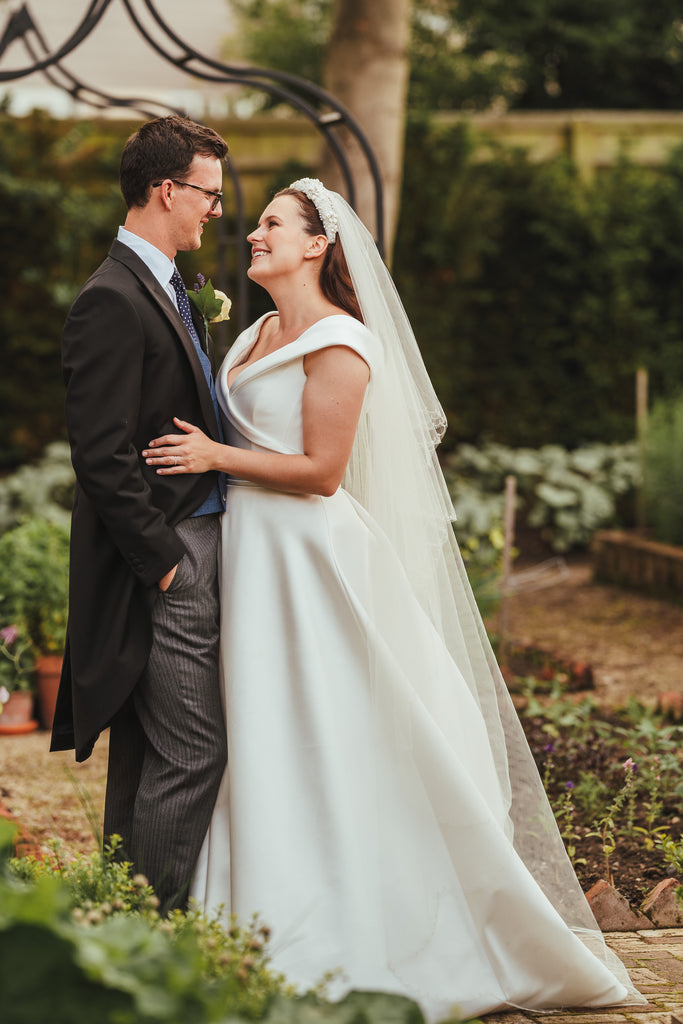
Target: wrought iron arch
{"type": "Point", "coordinates": [322, 109]}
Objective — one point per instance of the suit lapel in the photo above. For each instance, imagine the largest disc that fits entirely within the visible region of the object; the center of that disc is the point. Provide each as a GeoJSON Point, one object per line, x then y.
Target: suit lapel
{"type": "Point", "coordinates": [122, 254]}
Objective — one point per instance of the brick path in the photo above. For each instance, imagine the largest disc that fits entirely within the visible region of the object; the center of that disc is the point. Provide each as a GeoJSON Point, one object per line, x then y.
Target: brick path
{"type": "Point", "coordinates": [654, 960]}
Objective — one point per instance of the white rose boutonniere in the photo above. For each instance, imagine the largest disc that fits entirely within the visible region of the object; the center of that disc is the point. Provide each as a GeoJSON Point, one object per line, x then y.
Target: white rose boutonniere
{"type": "Point", "coordinates": [214, 305]}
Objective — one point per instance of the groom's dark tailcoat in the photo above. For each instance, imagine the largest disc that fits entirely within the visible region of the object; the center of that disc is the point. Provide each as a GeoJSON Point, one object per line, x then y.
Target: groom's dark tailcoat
{"type": "Point", "coordinates": [129, 367]}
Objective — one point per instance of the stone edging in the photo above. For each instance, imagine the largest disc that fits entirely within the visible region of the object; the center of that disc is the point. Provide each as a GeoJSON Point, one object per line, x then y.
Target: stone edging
{"type": "Point", "coordinates": [661, 908]}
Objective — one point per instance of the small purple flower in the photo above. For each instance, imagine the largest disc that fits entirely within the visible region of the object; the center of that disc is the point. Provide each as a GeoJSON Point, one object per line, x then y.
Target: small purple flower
{"type": "Point", "coordinates": [630, 765]}
{"type": "Point", "coordinates": [9, 634]}
{"type": "Point", "coordinates": [569, 785]}
{"type": "Point", "coordinates": [549, 748]}
{"type": "Point", "coordinates": [200, 282]}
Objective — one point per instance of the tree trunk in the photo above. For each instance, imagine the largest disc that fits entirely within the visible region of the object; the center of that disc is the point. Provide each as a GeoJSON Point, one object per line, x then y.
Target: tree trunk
{"type": "Point", "coordinates": [366, 69]}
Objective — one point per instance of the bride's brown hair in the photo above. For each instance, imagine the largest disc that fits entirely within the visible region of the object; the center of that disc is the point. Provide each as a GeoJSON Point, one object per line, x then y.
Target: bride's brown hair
{"type": "Point", "coordinates": [335, 280]}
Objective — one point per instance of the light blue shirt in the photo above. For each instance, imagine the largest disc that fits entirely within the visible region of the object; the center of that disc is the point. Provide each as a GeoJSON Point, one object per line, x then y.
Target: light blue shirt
{"type": "Point", "coordinates": [154, 259]}
{"type": "Point", "coordinates": [162, 268]}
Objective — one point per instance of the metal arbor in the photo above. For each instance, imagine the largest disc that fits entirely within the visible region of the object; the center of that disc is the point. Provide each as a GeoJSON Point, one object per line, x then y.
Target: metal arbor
{"type": "Point", "coordinates": [317, 105]}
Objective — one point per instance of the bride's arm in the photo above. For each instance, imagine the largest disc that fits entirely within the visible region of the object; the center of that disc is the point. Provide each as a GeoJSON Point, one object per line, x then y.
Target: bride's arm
{"type": "Point", "coordinates": [336, 379]}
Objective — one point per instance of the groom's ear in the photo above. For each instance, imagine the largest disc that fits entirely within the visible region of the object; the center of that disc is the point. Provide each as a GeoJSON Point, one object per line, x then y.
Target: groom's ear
{"type": "Point", "coordinates": [316, 247]}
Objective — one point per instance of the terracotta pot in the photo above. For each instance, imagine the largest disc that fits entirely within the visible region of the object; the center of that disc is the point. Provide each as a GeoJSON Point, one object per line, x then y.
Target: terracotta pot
{"type": "Point", "coordinates": [48, 672]}
{"type": "Point", "coordinates": [17, 714]}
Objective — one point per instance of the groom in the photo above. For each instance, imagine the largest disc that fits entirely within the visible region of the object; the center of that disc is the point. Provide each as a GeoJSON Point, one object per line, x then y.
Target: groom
{"type": "Point", "coordinates": [142, 643]}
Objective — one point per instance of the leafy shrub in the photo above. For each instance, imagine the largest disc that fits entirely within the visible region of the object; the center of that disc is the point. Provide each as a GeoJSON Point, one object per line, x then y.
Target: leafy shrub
{"type": "Point", "coordinates": [673, 856]}
{"type": "Point", "coordinates": [663, 470]}
{"type": "Point", "coordinates": [534, 293]}
{"type": "Point", "coordinates": [17, 662]}
{"type": "Point", "coordinates": [59, 207]}
{"type": "Point", "coordinates": [68, 955]}
{"type": "Point", "coordinates": [43, 488]}
{"type": "Point", "coordinates": [100, 885]}
{"type": "Point", "coordinates": [564, 495]}
{"type": "Point", "coordinates": [34, 570]}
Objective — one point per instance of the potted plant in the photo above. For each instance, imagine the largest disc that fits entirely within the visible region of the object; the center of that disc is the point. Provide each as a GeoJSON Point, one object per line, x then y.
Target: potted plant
{"type": "Point", "coordinates": [16, 681]}
{"type": "Point", "coordinates": [34, 568]}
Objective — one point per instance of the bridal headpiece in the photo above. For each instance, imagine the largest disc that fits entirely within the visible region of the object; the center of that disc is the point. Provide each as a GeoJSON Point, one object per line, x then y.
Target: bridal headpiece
{"type": "Point", "coordinates": [322, 200]}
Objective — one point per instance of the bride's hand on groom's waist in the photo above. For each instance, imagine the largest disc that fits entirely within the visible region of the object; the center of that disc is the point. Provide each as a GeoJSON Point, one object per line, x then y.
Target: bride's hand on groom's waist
{"type": "Point", "coordinates": [190, 452]}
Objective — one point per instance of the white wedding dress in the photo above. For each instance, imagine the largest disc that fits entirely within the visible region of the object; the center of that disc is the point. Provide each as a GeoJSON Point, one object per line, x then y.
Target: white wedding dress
{"type": "Point", "coordinates": [363, 822]}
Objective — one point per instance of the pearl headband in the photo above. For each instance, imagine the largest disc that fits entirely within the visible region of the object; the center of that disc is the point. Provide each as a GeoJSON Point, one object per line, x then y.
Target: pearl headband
{"type": "Point", "coordinates": [322, 200]}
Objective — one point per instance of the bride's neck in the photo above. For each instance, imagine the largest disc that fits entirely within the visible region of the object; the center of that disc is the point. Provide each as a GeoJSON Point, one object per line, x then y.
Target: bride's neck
{"type": "Point", "coordinates": [300, 309]}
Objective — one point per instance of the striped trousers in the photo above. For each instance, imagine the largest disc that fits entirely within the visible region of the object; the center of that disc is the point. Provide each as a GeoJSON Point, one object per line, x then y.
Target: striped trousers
{"type": "Point", "coordinates": [168, 745]}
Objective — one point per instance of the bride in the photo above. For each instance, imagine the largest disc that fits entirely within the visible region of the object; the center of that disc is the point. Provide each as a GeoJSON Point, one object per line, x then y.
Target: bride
{"type": "Point", "coordinates": [380, 810]}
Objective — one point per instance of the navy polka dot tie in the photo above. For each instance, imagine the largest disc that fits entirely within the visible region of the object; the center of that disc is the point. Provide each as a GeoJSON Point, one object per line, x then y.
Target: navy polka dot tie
{"type": "Point", "coordinates": [215, 502]}
{"type": "Point", "coordinates": [183, 303]}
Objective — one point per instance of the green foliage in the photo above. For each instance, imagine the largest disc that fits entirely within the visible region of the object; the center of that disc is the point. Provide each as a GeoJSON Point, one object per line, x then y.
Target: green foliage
{"type": "Point", "coordinates": [34, 568]}
{"type": "Point", "coordinates": [611, 54]}
{"type": "Point", "coordinates": [533, 292]}
{"type": "Point", "coordinates": [663, 470]}
{"type": "Point", "coordinates": [673, 853]}
{"type": "Point", "coordinates": [283, 35]}
{"type": "Point", "coordinates": [565, 496]}
{"type": "Point", "coordinates": [356, 1008]}
{"type": "Point", "coordinates": [17, 660]}
{"type": "Point", "coordinates": [447, 72]}
{"type": "Point", "coordinates": [43, 488]}
{"type": "Point", "coordinates": [100, 885]}
{"type": "Point", "coordinates": [611, 776]}
{"type": "Point", "coordinates": [606, 826]}
{"type": "Point", "coordinates": [69, 957]}
{"type": "Point", "coordinates": [472, 55]}
{"type": "Point", "coordinates": [59, 207]}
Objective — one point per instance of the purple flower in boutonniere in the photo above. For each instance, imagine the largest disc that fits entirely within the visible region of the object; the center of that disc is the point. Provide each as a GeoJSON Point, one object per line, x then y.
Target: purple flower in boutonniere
{"type": "Point", "coordinates": [213, 304]}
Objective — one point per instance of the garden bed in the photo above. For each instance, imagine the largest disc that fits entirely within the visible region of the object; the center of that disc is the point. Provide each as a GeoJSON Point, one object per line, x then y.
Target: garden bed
{"type": "Point", "coordinates": [615, 781]}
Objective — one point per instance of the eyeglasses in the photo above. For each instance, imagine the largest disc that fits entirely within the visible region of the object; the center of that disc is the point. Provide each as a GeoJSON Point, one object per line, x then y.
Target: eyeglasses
{"type": "Point", "coordinates": [215, 196]}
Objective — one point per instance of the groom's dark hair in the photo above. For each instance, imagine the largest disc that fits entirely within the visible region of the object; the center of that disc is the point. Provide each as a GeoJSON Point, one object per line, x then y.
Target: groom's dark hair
{"type": "Point", "coordinates": [164, 148]}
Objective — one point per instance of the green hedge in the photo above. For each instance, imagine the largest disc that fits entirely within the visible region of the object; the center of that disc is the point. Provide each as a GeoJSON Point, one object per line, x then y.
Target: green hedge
{"type": "Point", "coordinates": [534, 293]}
{"type": "Point", "coordinates": [663, 470]}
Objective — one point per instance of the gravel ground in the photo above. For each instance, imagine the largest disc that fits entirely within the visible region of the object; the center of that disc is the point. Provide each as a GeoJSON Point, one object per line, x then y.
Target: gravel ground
{"type": "Point", "coordinates": [633, 643]}
{"type": "Point", "coordinates": [42, 789]}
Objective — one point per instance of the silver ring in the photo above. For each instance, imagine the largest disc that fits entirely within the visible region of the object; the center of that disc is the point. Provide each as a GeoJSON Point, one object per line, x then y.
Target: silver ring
{"type": "Point", "coordinates": [175, 460]}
